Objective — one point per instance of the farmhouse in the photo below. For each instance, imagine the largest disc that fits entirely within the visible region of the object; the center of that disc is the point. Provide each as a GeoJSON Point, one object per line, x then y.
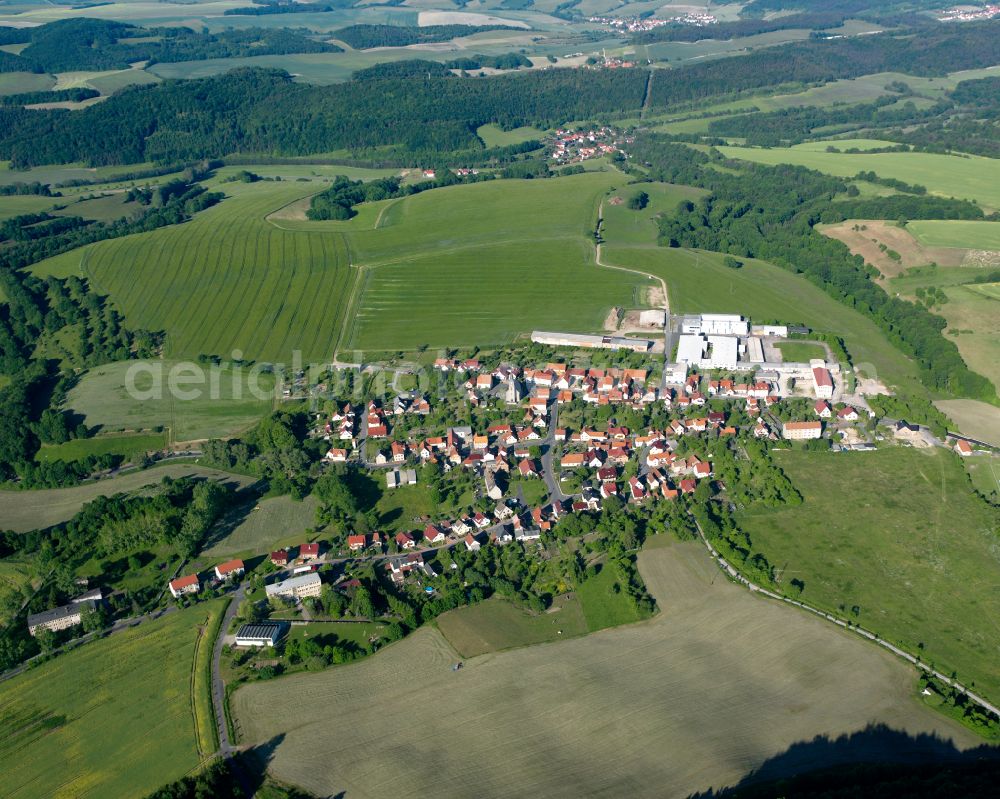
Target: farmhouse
{"type": "Point", "coordinates": [308, 551]}
{"type": "Point", "coordinates": [304, 585]}
{"type": "Point", "coordinates": [231, 568]}
{"type": "Point", "coordinates": [185, 585]}
{"type": "Point", "coordinates": [799, 431]}
{"type": "Point", "coordinates": [260, 634]}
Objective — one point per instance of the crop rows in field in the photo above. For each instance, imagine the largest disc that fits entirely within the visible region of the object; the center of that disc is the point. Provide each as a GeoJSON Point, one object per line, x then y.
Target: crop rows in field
{"type": "Point", "coordinates": [482, 264]}
{"type": "Point", "coordinates": [228, 280]}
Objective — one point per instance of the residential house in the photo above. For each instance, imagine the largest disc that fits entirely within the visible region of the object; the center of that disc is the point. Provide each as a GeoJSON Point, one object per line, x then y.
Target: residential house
{"type": "Point", "coordinates": [231, 568]}
{"type": "Point", "coordinates": [185, 585]}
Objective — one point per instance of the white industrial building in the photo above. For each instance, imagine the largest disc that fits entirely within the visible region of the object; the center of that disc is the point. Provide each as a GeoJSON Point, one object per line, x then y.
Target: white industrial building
{"type": "Point", "coordinates": [591, 342]}
{"type": "Point", "coordinates": [260, 634]}
{"type": "Point", "coordinates": [755, 350]}
{"type": "Point", "coordinates": [709, 351]}
{"type": "Point", "coordinates": [778, 331]}
{"type": "Point", "coordinates": [716, 324]}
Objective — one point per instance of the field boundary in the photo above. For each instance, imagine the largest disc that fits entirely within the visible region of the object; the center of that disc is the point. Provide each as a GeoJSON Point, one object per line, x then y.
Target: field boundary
{"type": "Point", "coordinates": [736, 576]}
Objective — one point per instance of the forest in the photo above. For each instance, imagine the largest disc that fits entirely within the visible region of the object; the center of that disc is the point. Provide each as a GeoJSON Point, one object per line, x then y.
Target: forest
{"type": "Point", "coordinates": [93, 45]}
{"type": "Point", "coordinates": [365, 37]}
{"type": "Point", "coordinates": [247, 111]}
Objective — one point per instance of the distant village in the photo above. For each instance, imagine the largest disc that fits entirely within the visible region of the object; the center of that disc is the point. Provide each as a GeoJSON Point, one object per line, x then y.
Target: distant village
{"type": "Point", "coordinates": [576, 146]}
{"type": "Point", "coordinates": [969, 13]}
{"type": "Point", "coordinates": [641, 24]}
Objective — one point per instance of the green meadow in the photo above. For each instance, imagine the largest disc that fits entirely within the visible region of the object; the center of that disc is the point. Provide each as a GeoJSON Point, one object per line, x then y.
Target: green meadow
{"type": "Point", "coordinates": [622, 225]}
{"type": "Point", "coordinates": [115, 717]}
{"type": "Point", "coordinates": [966, 177]}
{"type": "Point", "coordinates": [128, 446]}
{"type": "Point", "coordinates": [899, 535]}
{"type": "Point", "coordinates": [956, 233]}
{"type": "Point", "coordinates": [229, 280]}
{"type": "Point", "coordinates": [212, 402]}
{"type": "Point", "coordinates": [698, 282]}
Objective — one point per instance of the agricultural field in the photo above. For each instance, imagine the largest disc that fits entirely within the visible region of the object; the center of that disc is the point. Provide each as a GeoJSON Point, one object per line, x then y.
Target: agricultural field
{"type": "Point", "coordinates": [698, 282]}
{"type": "Point", "coordinates": [24, 204]}
{"type": "Point", "coordinates": [267, 525]}
{"type": "Point", "coordinates": [976, 419]}
{"type": "Point", "coordinates": [129, 446]}
{"type": "Point", "coordinates": [228, 280]}
{"type": "Point", "coordinates": [984, 471]}
{"type": "Point", "coordinates": [898, 534]}
{"type": "Point", "coordinates": [113, 718]}
{"type": "Point", "coordinates": [719, 682]}
{"type": "Point", "coordinates": [956, 233]}
{"type": "Point", "coordinates": [22, 511]}
{"type": "Point", "coordinates": [966, 177]}
{"type": "Point", "coordinates": [103, 209]}
{"type": "Point", "coordinates": [19, 82]}
{"type": "Point", "coordinates": [800, 351]}
{"type": "Point", "coordinates": [439, 272]}
{"type": "Point", "coordinates": [973, 314]}
{"type": "Point", "coordinates": [891, 249]}
{"type": "Point", "coordinates": [212, 402]}
{"type": "Point", "coordinates": [624, 226]}
{"type": "Point", "coordinates": [496, 625]}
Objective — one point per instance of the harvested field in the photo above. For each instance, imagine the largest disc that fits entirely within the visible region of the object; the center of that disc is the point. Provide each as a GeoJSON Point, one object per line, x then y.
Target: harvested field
{"type": "Point", "coordinates": [696, 697]}
{"type": "Point", "coordinates": [22, 511]}
{"type": "Point", "coordinates": [863, 237]}
{"type": "Point", "coordinates": [977, 419]}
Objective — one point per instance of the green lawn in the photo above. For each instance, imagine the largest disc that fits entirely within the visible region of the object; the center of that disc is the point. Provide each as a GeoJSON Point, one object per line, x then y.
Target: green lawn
{"type": "Point", "coordinates": [627, 227]}
{"type": "Point", "coordinates": [113, 718]}
{"type": "Point", "coordinates": [105, 397]}
{"type": "Point", "coordinates": [967, 177]}
{"type": "Point", "coordinates": [800, 351]}
{"type": "Point", "coordinates": [264, 528]}
{"type": "Point", "coordinates": [126, 445]}
{"type": "Point", "coordinates": [496, 624]}
{"type": "Point", "coordinates": [698, 282]}
{"type": "Point", "coordinates": [229, 280]}
{"type": "Point", "coordinates": [403, 508]}
{"type": "Point", "coordinates": [602, 605]}
{"type": "Point", "coordinates": [956, 233]}
{"type": "Point", "coordinates": [899, 534]}
{"type": "Point", "coordinates": [984, 470]}
{"type": "Point", "coordinates": [494, 136]}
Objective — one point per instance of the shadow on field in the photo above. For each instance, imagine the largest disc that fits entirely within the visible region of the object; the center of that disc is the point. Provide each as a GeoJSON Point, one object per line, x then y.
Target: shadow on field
{"type": "Point", "coordinates": [876, 761]}
{"type": "Point", "coordinates": [251, 765]}
{"type": "Point", "coordinates": [244, 502]}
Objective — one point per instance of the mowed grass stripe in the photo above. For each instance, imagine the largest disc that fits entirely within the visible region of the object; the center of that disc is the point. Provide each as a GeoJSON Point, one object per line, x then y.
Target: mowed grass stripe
{"type": "Point", "coordinates": [230, 280]}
